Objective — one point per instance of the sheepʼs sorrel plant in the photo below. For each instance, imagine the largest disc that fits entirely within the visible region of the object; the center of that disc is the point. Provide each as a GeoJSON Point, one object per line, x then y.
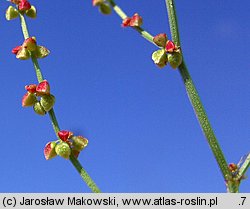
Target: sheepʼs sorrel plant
{"type": "Point", "coordinates": [39, 97]}
{"type": "Point", "coordinates": [168, 53]}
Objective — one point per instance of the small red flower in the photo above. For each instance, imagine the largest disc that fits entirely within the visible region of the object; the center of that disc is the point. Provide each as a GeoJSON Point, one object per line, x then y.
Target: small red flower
{"type": "Point", "coordinates": [16, 49]}
{"type": "Point", "coordinates": [31, 88]}
{"type": "Point", "coordinates": [126, 22]}
{"type": "Point", "coordinates": [170, 46]}
{"type": "Point", "coordinates": [24, 5]}
{"type": "Point", "coordinates": [43, 88]}
{"type": "Point", "coordinates": [136, 20]}
{"type": "Point", "coordinates": [232, 167]}
{"type": "Point", "coordinates": [64, 135]}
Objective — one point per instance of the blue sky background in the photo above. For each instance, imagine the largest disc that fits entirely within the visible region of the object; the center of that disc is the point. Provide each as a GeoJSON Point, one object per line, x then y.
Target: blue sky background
{"type": "Point", "coordinates": [142, 131]}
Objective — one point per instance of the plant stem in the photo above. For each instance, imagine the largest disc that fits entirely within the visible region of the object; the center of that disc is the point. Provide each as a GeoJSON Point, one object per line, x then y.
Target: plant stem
{"type": "Point", "coordinates": [195, 99]}
{"type": "Point", "coordinates": [91, 184]}
{"type": "Point", "coordinates": [117, 9]}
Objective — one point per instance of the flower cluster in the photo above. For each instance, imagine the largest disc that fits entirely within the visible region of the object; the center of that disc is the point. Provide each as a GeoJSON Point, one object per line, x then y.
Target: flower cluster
{"type": "Point", "coordinates": [169, 52]}
{"type": "Point", "coordinates": [104, 6]}
{"type": "Point", "coordinates": [134, 21]}
{"type": "Point", "coordinates": [22, 6]}
{"type": "Point", "coordinates": [66, 145]}
{"type": "Point", "coordinates": [29, 46]}
{"type": "Point", "coordinates": [39, 97]}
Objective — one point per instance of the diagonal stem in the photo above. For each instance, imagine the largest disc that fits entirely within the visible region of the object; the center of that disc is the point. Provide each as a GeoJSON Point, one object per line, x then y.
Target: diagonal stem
{"type": "Point", "coordinates": [85, 176]}
{"type": "Point", "coordinates": [195, 99]}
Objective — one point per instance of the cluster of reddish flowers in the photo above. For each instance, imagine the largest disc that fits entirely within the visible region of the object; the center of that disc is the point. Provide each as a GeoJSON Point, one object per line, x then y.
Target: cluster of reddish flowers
{"type": "Point", "coordinates": [29, 46]}
{"type": "Point", "coordinates": [66, 145]}
{"type": "Point", "coordinates": [169, 52]}
{"type": "Point", "coordinates": [23, 5]}
{"type": "Point", "coordinates": [39, 97]}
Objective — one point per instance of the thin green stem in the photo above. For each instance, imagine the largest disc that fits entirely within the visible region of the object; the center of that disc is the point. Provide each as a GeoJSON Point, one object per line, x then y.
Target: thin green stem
{"type": "Point", "coordinates": [37, 68]}
{"type": "Point", "coordinates": [54, 121]}
{"type": "Point", "coordinates": [118, 10]}
{"type": "Point", "coordinates": [195, 99]}
{"type": "Point", "coordinates": [173, 22]}
{"type": "Point", "coordinates": [203, 120]}
{"type": "Point", "coordinates": [24, 27]}
{"type": "Point", "coordinates": [91, 184]}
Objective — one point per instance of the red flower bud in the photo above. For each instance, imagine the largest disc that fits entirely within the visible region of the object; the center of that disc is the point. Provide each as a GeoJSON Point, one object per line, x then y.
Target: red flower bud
{"type": "Point", "coordinates": [16, 50]}
{"type": "Point", "coordinates": [49, 150]}
{"type": "Point", "coordinates": [43, 88]}
{"type": "Point", "coordinates": [64, 135]}
{"type": "Point", "coordinates": [24, 5]}
{"type": "Point", "coordinates": [170, 46]}
{"type": "Point", "coordinates": [31, 88]}
{"type": "Point", "coordinates": [136, 20]}
{"type": "Point", "coordinates": [232, 167]}
{"type": "Point", "coordinates": [126, 22]}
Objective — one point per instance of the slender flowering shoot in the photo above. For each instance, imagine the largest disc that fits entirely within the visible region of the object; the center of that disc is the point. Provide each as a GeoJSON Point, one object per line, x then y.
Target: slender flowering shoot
{"type": "Point", "coordinates": [39, 95]}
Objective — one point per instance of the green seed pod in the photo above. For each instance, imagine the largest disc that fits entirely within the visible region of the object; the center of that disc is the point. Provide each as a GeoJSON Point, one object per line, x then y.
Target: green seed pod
{"type": "Point", "coordinates": [79, 142]}
{"type": "Point", "coordinates": [29, 99]}
{"type": "Point", "coordinates": [47, 102]}
{"type": "Point", "coordinates": [160, 58]}
{"type": "Point", "coordinates": [105, 9]}
{"type": "Point", "coordinates": [31, 12]}
{"type": "Point", "coordinates": [63, 150]}
{"type": "Point", "coordinates": [175, 59]}
{"type": "Point", "coordinates": [11, 13]}
{"type": "Point", "coordinates": [41, 52]}
{"type": "Point", "coordinates": [39, 109]}
{"type": "Point", "coordinates": [23, 54]}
